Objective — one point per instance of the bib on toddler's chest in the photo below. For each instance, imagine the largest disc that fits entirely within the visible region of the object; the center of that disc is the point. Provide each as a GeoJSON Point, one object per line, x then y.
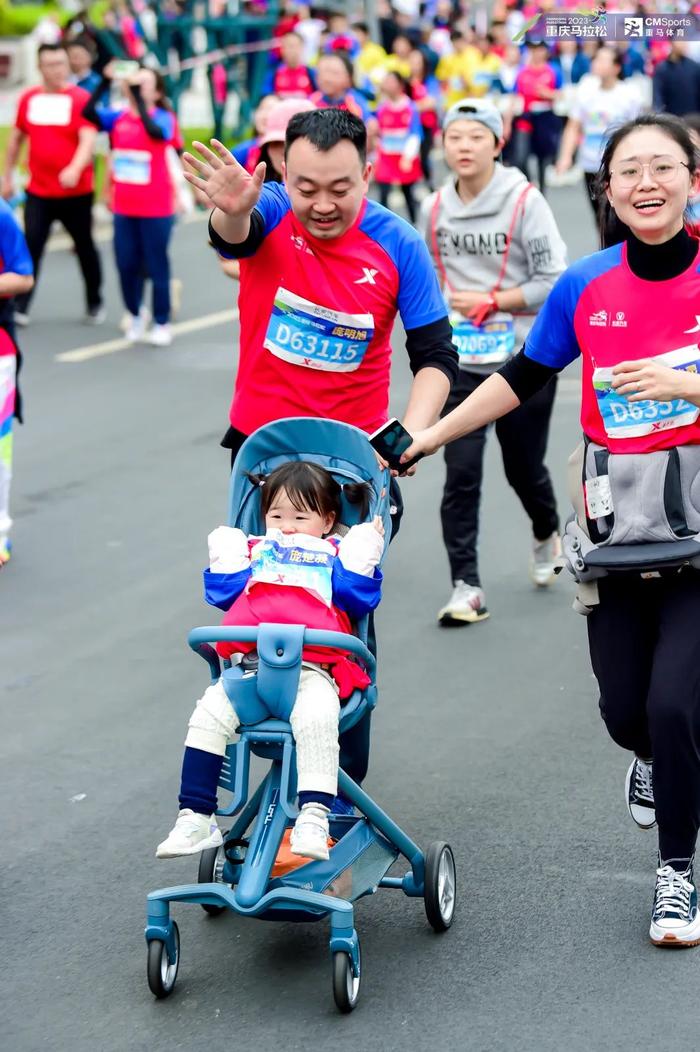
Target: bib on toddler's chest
{"type": "Point", "coordinates": [625, 419]}
{"type": "Point", "coordinates": [487, 344]}
{"type": "Point", "coordinates": [297, 561]}
{"type": "Point", "coordinates": [316, 337]}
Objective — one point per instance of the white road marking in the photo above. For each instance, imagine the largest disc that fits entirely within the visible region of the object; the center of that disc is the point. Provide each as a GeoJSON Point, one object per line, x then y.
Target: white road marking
{"type": "Point", "coordinates": [98, 350]}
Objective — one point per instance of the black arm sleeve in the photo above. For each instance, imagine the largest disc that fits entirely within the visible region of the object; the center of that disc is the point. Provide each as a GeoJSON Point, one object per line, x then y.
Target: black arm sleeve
{"type": "Point", "coordinates": [152, 129]}
{"type": "Point", "coordinates": [90, 108]}
{"type": "Point", "coordinates": [431, 345]}
{"type": "Point", "coordinates": [526, 376]}
{"type": "Point", "coordinates": [249, 247]}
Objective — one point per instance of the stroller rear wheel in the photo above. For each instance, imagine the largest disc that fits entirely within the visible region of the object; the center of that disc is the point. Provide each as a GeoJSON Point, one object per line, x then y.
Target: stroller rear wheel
{"type": "Point", "coordinates": [346, 985]}
{"type": "Point", "coordinates": [160, 971]}
{"type": "Point", "coordinates": [211, 868]}
{"type": "Point", "coordinates": [440, 885]}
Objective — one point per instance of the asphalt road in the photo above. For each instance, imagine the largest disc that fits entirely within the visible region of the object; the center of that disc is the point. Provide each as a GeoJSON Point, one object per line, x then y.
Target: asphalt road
{"type": "Point", "coordinates": [488, 737]}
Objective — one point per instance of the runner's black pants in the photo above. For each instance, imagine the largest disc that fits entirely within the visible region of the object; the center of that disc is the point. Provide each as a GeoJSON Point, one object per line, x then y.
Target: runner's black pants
{"type": "Point", "coordinates": [75, 215]}
{"type": "Point", "coordinates": [523, 438]}
{"type": "Point", "coordinates": [644, 639]}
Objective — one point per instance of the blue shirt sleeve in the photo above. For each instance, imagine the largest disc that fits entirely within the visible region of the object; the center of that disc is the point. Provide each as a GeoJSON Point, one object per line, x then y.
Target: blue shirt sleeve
{"type": "Point", "coordinates": [221, 589]}
{"type": "Point", "coordinates": [108, 117]}
{"type": "Point", "coordinates": [552, 339]}
{"type": "Point", "coordinates": [362, 103]}
{"type": "Point", "coordinates": [14, 254]}
{"type": "Point", "coordinates": [420, 298]}
{"type": "Point", "coordinates": [415, 127]}
{"type": "Point", "coordinates": [241, 151]}
{"type": "Point", "coordinates": [268, 84]}
{"type": "Point", "coordinates": [272, 206]}
{"type": "Point", "coordinates": [353, 592]}
{"type": "Point", "coordinates": [164, 120]}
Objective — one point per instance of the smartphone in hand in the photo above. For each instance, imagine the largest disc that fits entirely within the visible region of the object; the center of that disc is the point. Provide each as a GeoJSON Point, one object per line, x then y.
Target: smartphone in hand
{"type": "Point", "coordinates": [390, 441]}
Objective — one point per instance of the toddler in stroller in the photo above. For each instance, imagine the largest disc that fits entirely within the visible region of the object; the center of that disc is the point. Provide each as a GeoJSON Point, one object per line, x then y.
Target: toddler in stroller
{"type": "Point", "coordinates": [299, 572]}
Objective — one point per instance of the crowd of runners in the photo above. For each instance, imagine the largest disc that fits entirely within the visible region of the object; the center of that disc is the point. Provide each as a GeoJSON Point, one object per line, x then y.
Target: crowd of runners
{"type": "Point", "coordinates": [438, 121]}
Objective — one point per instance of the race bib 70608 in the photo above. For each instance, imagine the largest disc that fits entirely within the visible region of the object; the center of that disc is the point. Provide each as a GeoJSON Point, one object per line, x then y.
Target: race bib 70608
{"type": "Point", "coordinates": [307, 334]}
{"type": "Point", "coordinates": [625, 419]}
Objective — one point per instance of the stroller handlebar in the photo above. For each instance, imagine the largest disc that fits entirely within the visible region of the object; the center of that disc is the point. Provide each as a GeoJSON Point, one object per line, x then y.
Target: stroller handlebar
{"type": "Point", "coordinates": [200, 639]}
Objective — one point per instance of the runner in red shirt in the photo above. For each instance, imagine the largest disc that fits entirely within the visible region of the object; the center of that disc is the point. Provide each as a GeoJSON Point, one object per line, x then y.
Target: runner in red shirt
{"type": "Point", "coordinates": [60, 184]}
{"type": "Point", "coordinates": [143, 196]}
{"type": "Point", "coordinates": [291, 78]}
{"type": "Point", "coordinates": [324, 273]}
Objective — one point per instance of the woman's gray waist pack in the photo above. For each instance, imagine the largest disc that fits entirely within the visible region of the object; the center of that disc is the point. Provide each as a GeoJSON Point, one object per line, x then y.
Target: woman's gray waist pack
{"type": "Point", "coordinates": [633, 512]}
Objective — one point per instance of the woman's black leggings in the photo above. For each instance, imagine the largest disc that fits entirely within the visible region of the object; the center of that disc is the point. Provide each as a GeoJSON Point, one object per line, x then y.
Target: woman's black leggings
{"type": "Point", "coordinates": [408, 196]}
{"type": "Point", "coordinates": [644, 639]}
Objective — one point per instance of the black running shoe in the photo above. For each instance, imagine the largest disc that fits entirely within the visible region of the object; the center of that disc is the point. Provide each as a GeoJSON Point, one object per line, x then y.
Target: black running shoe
{"type": "Point", "coordinates": [675, 920]}
{"type": "Point", "coordinates": [639, 791]}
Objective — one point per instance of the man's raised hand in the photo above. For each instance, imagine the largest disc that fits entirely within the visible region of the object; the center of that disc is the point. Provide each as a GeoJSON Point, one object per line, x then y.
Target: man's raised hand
{"type": "Point", "coordinates": [223, 180]}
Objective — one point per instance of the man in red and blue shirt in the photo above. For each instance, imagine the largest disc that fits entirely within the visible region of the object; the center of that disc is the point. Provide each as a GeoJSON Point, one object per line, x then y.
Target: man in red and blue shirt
{"type": "Point", "coordinates": [324, 273]}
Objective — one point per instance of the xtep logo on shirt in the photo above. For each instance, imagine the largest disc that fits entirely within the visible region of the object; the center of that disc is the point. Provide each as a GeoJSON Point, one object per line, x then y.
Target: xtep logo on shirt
{"type": "Point", "coordinates": [300, 244]}
{"type": "Point", "coordinates": [368, 278]}
{"type": "Point", "coordinates": [697, 327]}
{"type": "Point", "coordinates": [599, 317]}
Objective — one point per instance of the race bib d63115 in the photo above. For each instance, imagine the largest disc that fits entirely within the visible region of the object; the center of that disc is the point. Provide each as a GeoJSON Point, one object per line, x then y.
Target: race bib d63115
{"type": "Point", "coordinates": [625, 419]}
{"type": "Point", "coordinates": [316, 337]}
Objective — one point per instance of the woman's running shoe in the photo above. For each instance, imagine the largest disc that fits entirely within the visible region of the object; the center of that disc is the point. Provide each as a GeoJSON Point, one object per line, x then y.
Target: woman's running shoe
{"type": "Point", "coordinates": [675, 920]}
{"type": "Point", "coordinates": [639, 793]}
{"type": "Point", "coordinates": [466, 604]}
{"type": "Point", "coordinates": [160, 336]}
{"type": "Point", "coordinates": [544, 559]}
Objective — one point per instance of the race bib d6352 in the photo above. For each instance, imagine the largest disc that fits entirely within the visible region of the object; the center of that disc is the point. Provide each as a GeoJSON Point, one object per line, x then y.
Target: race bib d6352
{"type": "Point", "coordinates": [625, 419]}
{"type": "Point", "coordinates": [316, 337]}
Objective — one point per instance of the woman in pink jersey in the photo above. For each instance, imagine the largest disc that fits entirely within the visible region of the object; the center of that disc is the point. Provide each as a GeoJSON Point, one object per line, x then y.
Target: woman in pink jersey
{"type": "Point", "coordinates": [398, 153]}
{"type": "Point", "coordinates": [632, 313]}
{"type": "Point", "coordinates": [143, 196]}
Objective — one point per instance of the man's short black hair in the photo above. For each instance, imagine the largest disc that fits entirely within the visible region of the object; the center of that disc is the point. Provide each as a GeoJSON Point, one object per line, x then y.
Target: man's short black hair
{"type": "Point", "coordinates": [45, 48]}
{"type": "Point", "coordinates": [326, 128]}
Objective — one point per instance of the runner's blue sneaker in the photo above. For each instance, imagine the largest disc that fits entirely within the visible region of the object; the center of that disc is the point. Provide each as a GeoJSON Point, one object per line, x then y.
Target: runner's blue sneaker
{"type": "Point", "coordinates": [675, 920]}
{"type": "Point", "coordinates": [639, 793]}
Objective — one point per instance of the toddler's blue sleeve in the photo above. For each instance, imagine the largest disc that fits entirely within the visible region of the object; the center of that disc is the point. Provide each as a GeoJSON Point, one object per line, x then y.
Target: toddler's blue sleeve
{"type": "Point", "coordinates": [354, 593]}
{"type": "Point", "coordinates": [221, 589]}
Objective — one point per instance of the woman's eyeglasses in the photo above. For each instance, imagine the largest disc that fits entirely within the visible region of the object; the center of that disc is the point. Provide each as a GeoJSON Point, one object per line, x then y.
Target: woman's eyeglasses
{"type": "Point", "coordinates": [661, 170]}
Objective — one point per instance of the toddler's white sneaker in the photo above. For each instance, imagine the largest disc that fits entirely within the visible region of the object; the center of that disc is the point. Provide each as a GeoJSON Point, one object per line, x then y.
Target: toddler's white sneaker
{"type": "Point", "coordinates": [310, 833]}
{"type": "Point", "coordinates": [191, 834]}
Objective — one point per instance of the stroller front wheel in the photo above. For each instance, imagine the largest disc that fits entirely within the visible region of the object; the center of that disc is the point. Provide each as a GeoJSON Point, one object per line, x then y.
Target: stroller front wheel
{"type": "Point", "coordinates": [440, 885]}
{"type": "Point", "coordinates": [161, 972]}
{"type": "Point", "coordinates": [346, 985]}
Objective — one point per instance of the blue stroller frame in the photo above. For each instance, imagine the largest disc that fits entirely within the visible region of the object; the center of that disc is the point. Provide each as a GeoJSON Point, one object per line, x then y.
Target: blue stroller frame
{"type": "Point", "coordinates": [237, 875]}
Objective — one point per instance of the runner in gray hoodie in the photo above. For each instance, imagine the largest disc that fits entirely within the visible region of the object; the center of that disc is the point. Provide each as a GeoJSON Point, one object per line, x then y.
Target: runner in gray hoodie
{"type": "Point", "coordinates": [498, 253]}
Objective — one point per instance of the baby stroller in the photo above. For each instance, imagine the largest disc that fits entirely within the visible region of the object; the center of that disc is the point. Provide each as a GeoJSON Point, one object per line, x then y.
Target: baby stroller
{"type": "Point", "coordinates": [239, 874]}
